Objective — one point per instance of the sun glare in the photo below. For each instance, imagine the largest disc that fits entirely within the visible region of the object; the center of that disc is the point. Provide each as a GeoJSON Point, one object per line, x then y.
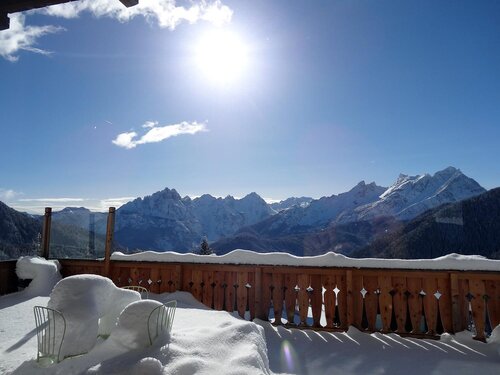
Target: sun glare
{"type": "Point", "coordinates": [221, 57]}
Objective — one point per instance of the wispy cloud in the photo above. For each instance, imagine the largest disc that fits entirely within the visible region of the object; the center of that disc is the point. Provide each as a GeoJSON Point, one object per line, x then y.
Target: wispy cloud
{"type": "Point", "coordinates": [158, 134]}
{"type": "Point", "coordinates": [21, 37]}
{"type": "Point", "coordinates": [115, 202]}
{"type": "Point", "coordinates": [150, 124]}
{"type": "Point", "coordinates": [164, 13]}
{"type": "Point", "coordinates": [60, 200]}
{"type": "Point", "coordinates": [37, 205]}
{"type": "Point", "coordinates": [8, 194]}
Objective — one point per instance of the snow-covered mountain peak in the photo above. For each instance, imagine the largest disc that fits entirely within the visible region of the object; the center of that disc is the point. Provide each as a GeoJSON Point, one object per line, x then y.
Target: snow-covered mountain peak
{"type": "Point", "coordinates": [412, 195]}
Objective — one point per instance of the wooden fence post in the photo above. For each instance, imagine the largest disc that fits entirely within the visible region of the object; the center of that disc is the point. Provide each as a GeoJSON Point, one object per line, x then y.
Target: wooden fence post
{"type": "Point", "coordinates": [110, 230]}
{"type": "Point", "coordinates": [47, 219]}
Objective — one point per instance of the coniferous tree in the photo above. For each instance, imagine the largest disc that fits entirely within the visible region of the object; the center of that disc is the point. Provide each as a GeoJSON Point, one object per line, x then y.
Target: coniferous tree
{"type": "Point", "coordinates": [205, 248]}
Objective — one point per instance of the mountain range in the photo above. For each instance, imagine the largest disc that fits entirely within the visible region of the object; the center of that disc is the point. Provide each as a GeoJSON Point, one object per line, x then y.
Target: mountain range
{"type": "Point", "coordinates": [346, 223]}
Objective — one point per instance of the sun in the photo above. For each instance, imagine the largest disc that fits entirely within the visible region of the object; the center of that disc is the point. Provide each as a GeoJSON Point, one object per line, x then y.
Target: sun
{"type": "Point", "coordinates": [221, 56]}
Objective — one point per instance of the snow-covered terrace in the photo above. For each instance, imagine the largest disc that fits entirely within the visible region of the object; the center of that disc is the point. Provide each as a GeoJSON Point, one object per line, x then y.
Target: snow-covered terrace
{"type": "Point", "coordinates": [205, 341]}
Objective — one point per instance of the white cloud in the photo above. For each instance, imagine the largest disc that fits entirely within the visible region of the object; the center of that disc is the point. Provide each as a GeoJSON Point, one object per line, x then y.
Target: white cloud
{"type": "Point", "coordinates": [8, 194]}
{"type": "Point", "coordinates": [150, 124]}
{"type": "Point", "coordinates": [164, 13]}
{"type": "Point", "coordinates": [125, 140]}
{"type": "Point", "coordinates": [21, 37]}
{"type": "Point", "coordinates": [158, 134]}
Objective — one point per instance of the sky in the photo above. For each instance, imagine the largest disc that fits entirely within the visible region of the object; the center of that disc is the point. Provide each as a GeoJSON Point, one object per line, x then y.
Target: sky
{"type": "Point", "coordinates": [100, 104]}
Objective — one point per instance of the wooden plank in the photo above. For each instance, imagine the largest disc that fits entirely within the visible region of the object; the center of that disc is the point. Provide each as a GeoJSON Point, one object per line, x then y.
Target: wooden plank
{"type": "Point", "coordinates": [357, 301]}
{"type": "Point", "coordinates": [329, 283]}
{"type": "Point", "coordinates": [259, 305]}
{"type": "Point", "coordinates": [342, 300]}
{"type": "Point", "coordinates": [316, 299]}
{"type": "Point", "coordinates": [251, 295]}
{"type": "Point", "coordinates": [164, 277]}
{"type": "Point", "coordinates": [290, 282]}
{"type": "Point", "coordinates": [115, 274]}
{"type": "Point", "coordinates": [196, 289]}
{"type": "Point", "coordinates": [303, 297]}
{"type": "Point", "coordinates": [414, 286]}
{"type": "Point", "coordinates": [477, 289]}
{"type": "Point", "coordinates": [430, 304]}
{"type": "Point", "coordinates": [370, 284]}
{"type": "Point", "coordinates": [277, 297]}
{"type": "Point", "coordinates": [143, 277]}
{"type": "Point", "coordinates": [493, 293]}
{"type": "Point", "coordinates": [456, 310]}
{"type": "Point", "coordinates": [242, 293]}
{"type": "Point", "coordinates": [219, 290]}
{"type": "Point", "coordinates": [208, 290]}
{"type": "Point", "coordinates": [385, 301]}
{"type": "Point", "coordinates": [155, 275]}
{"type": "Point", "coordinates": [266, 294]}
{"type": "Point", "coordinates": [399, 302]}
{"type": "Point", "coordinates": [444, 304]}
{"type": "Point", "coordinates": [349, 298]}
{"type": "Point", "coordinates": [463, 289]}
{"type": "Point", "coordinates": [230, 280]}
{"type": "Point", "coordinates": [124, 276]}
{"type": "Point", "coordinates": [187, 282]}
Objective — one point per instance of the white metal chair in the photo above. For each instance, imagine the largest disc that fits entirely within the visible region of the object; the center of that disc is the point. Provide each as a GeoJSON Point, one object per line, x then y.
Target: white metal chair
{"type": "Point", "coordinates": [50, 331]}
{"type": "Point", "coordinates": [137, 288]}
{"type": "Point", "coordinates": [161, 319]}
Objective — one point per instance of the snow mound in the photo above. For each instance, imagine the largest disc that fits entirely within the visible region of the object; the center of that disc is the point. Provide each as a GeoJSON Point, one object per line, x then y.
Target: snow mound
{"type": "Point", "coordinates": [150, 366]}
{"type": "Point", "coordinates": [91, 305]}
{"type": "Point", "coordinates": [132, 330]}
{"type": "Point", "coordinates": [215, 342]}
{"type": "Point", "coordinates": [44, 274]}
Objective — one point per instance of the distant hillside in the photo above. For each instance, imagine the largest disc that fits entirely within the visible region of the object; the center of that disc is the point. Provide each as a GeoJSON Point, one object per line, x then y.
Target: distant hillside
{"type": "Point", "coordinates": [341, 238]}
{"type": "Point", "coordinates": [18, 233]}
{"type": "Point", "coordinates": [471, 226]}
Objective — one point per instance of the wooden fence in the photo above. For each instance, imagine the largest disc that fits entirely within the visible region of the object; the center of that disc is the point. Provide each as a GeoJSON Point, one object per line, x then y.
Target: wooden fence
{"type": "Point", "coordinates": [409, 302]}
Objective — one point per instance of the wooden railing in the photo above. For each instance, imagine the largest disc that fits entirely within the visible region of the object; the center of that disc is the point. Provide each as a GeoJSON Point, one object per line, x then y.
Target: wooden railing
{"type": "Point", "coordinates": [409, 302]}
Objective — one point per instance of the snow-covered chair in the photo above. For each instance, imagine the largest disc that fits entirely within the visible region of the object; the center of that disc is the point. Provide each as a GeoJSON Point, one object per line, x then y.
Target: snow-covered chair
{"type": "Point", "coordinates": [137, 288]}
{"type": "Point", "coordinates": [50, 331]}
{"type": "Point", "coordinates": [161, 319]}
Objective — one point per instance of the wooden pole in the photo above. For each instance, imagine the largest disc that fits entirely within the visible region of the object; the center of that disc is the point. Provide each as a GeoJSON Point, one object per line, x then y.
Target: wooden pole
{"type": "Point", "coordinates": [110, 230]}
{"type": "Point", "coordinates": [46, 232]}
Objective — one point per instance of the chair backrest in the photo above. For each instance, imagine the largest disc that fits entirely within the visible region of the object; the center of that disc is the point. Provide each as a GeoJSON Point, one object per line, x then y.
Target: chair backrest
{"type": "Point", "coordinates": [161, 319]}
{"type": "Point", "coordinates": [50, 331]}
{"type": "Point", "coordinates": [137, 288]}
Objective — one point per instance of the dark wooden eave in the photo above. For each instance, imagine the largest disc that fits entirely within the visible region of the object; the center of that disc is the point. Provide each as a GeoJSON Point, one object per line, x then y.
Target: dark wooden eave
{"type": "Point", "coordinates": [13, 6]}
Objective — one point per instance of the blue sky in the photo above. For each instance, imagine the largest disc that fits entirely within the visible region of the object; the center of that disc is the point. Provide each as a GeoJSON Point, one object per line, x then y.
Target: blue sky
{"type": "Point", "coordinates": [330, 93]}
